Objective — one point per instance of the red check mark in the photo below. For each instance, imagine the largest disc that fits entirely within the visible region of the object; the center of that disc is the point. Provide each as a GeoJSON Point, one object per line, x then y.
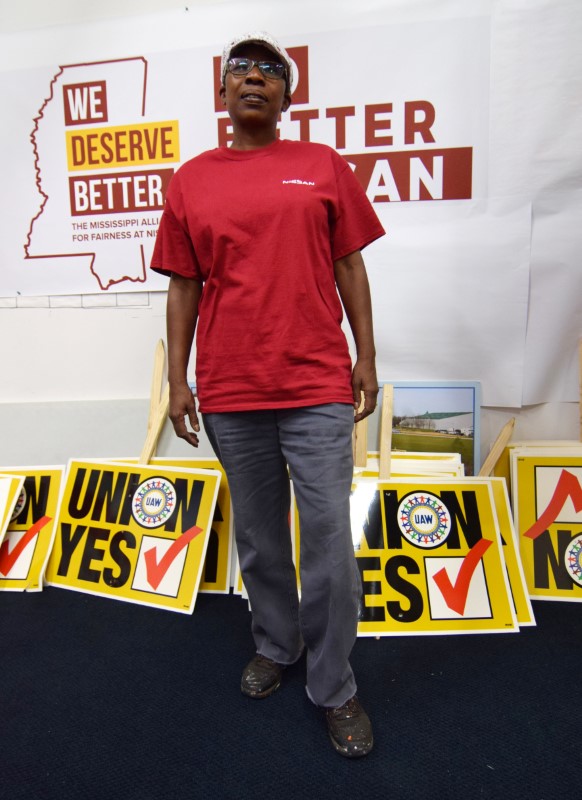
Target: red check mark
{"type": "Point", "coordinates": [9, 559]}
{"type": "Point", "coordinates": [155, 570]}
{"type": "Point", "coordinates": [568, 486]}
{"type": "Point", "coordinates": [456, 596]}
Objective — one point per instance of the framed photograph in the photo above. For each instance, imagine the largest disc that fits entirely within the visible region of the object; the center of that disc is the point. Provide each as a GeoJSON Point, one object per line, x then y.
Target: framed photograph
{"type": "Point", "coordinates": [438, 417]}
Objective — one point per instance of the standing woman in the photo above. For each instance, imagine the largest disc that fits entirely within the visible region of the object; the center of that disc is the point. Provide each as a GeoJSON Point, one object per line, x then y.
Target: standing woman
{"type": "Point", "coordinates": [258, 240]}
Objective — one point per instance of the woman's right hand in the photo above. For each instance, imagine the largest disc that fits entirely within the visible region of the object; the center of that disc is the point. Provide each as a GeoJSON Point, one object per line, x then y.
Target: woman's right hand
{"type": "Point", "coordinates": [182, 407]}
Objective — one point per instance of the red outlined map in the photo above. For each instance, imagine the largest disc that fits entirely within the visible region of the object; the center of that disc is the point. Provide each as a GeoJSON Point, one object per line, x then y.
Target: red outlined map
{"type": "Point", "coordinates": [102, 169]}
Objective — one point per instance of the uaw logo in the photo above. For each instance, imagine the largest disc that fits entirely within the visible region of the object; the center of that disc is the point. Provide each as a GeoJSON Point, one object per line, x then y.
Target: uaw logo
{"type": "Point", "coordinates": [153, 503]}
{"type": "Point", "coordinates": [424, 520]}
{"type": "Point", "coordinates": [19, 504]}
{"type": "Point", "coordinates": [573, 560]}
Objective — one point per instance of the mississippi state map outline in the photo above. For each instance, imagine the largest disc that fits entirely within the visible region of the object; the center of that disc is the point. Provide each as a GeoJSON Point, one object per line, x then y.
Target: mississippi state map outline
{"type": "Point", "coordinates": [102, 189]}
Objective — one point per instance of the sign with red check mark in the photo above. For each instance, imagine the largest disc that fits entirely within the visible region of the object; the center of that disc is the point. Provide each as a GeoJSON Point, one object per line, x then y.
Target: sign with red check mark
{"type": "Point", "coordinates": [134, 532]}
{"type": "Point", "coordinates": [217, 564]}
{"type": "Point", "coordinates": [25, 550]}
{"type": "Point", "coordinates": [547, 505]}
{"type": "Point", "coordinates": [430, 556]}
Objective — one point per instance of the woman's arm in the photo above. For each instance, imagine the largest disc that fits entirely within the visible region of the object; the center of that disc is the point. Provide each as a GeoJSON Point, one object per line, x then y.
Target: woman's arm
{"type": "Point", "coordinates": [181, 318]}
{"type": "Point", "coordinates": [354, 291]}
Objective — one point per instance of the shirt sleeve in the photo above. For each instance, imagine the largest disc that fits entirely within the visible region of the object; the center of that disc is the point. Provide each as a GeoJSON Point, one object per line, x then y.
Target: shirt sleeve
{"type": "Point", "coordinates": [174, 250]}
{"type": "Point", "coordinates": [356, 223]}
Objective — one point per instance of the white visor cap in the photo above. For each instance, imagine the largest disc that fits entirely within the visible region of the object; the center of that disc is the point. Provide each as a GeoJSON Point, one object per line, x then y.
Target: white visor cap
{"type": "Point", "coordinates": [257, 37]}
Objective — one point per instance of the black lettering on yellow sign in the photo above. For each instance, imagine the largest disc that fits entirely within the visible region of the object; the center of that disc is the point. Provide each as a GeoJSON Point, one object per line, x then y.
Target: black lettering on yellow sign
{"type": "Point", "coordinates": [120, 559]}
{"type": "Point", "coordinates": [372, 526]}
{"type": "Point", "coordinates": [186, 509]}
{"type": "Point", "coordinates": [69, 541]}
{"type": "Point", "coordinates": [89, 498]}
{"type": "Point", "coordinates": [106, 497]}
{"type": "Point", "coordinates": [395, 571]}
{"type": "Point", "coordinates": [415, 606]}
{"type": "Point", "coordinates": [400, 571]}
{"type": "Point", "coordinates": [547, 557]}
{"type": "Point", "coordinates": [468, 519]}
{"type": "Point", "coordinates": [36, 492]}
{"type": "Point", "coordinates": [92, 553]}
{"type": "Point", "coordinates": [212, 549]}
{"type": "Point", "coordinates": [370, 588]}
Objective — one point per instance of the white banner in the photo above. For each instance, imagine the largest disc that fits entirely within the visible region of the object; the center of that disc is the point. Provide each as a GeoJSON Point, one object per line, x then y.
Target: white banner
{"type": "Point", "coordinates": [461, 130]}
{"type": "Point", "coordinates": [108, 136]}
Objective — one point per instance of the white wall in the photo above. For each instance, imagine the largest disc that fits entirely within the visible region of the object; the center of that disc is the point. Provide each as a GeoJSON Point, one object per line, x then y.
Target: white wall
{"type": "Point", "coordinates": [52, 432]}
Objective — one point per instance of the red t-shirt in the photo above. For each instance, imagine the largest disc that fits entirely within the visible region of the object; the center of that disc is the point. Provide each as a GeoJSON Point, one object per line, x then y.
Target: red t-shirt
{"type": "Point", "coordinates": [261, 229]}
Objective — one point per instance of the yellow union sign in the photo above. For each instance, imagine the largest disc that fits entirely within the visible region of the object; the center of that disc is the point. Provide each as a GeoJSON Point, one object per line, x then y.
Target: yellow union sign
{"type": "Point", "coordinates": [133, 532]}
{"type": "Point", "coordinates": [547, 502]}
{"type": "Point", "coordinates": [25, 550]}
{"type": "Point", "coordinates": [430, 557]}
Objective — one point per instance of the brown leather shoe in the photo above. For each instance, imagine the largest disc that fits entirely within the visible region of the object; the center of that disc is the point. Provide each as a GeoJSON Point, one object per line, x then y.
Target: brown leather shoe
{"type": "Point", "coordinates": [350, 729]}
{"type": "Point", "coordinates": [261, 677]}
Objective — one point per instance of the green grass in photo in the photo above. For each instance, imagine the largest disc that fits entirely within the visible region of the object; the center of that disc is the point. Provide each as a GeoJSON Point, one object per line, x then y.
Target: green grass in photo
{"type": "Point", "coordinates": [422, 442]}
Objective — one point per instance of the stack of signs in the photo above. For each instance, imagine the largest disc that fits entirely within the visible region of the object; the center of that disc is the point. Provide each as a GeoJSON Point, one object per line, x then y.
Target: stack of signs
{"type": "Point", "coordinates": [437, 555]}
{"type": "Point", "coordinates": [437, 552]}
{"type": "Point", "coordinates": [137, 533]}
{"type": "Point", "coordinates": [31, 526]}
{"type": "Point", "coordinates": [547, 504]}
{"type": "Point", "coordinates": [420, 463]}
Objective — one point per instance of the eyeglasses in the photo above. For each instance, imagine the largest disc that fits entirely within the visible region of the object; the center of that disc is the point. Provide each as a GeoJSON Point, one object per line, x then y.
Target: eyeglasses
{"type": "Point", "coordinates": [268, 69]}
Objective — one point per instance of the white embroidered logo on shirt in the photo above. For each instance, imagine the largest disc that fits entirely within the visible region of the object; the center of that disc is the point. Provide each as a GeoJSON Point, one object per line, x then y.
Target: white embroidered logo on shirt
{"type": "Point", "coordinates": [298, 180]}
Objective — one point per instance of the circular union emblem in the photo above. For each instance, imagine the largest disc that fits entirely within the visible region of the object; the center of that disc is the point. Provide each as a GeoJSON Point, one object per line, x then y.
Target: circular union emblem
{"type": "Point", "coordinates": [424, 519]}
{"type": "Point", "coordinates": [19, 504]}
{"type": "Point", "coordinates": [573, 560]}
{"type": "Point", "coordinates": [154, 502]}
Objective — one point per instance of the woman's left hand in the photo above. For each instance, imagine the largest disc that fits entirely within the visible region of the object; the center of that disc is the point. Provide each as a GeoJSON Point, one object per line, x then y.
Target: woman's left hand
{"type": "Point", "coordinates": [364, 380]}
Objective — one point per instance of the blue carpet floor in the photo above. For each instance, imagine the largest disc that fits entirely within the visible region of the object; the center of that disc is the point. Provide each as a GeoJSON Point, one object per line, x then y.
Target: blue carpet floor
{"type": "Point", "coordinates": [102, 699]}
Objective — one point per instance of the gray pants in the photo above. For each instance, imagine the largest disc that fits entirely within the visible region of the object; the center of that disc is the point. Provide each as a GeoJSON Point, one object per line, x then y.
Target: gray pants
{"type": "Point", "coordinates": [255, 448]}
